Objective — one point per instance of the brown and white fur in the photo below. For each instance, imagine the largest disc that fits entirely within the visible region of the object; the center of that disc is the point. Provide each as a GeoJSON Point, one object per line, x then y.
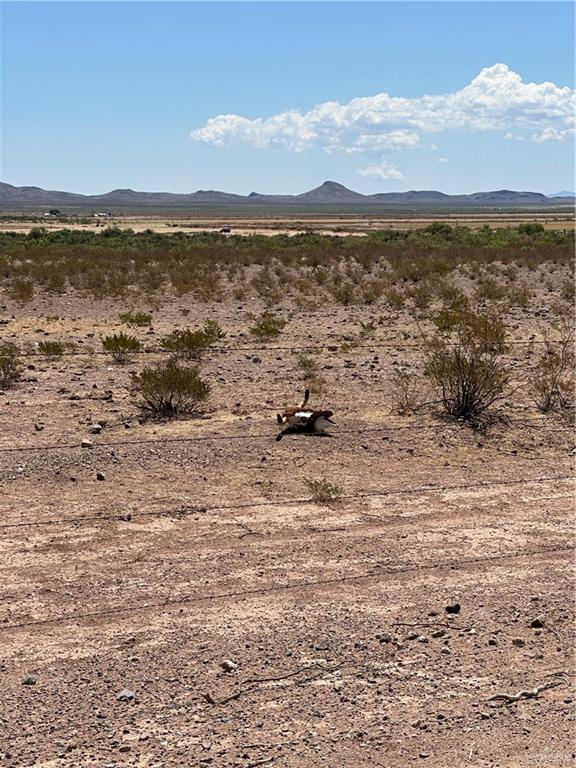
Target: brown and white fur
{"type": "Point", "coordinates": [297, 420]}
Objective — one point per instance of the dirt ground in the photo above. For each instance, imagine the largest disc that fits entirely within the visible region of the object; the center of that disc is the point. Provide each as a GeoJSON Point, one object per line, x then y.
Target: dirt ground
{"type": "Point", "coordinates": [250, 625]}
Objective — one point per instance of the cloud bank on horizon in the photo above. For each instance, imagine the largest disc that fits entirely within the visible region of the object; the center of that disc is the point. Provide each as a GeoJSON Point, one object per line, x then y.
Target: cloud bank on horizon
{"type": "Point", "coordinates": [495, 100]}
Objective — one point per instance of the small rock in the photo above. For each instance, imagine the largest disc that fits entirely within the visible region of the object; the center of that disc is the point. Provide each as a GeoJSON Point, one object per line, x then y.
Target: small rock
{"type": "Point", "coordinates": [424, 754]}
{"type": "Point", "coordinates": [100, 476]}
{"type": "Point", "coordinates": [29, 680]}
{"type": "Point", "coordinates": [86, 443]}
{"type": "Point", "coordinates": [537, 623]}
{"type": "Point", "coordinates": [384, 637]}
{"type": "Point", "coordinates": [518, 642]}
{"type": "Point", "coordinates": [38, 427]}
{"type": "Point", "coordinates": [228, 665]}
{"type": "Point", "coordinates": [492, 641]}
{"type": "Point", "coordinates": [96, 429]}
{"type": "Point", "coordinates": [453, 608]}
{"type": "Point", "coordinates": [124, 748]}
{"type": "Point", "coordinates": [439, 633]}
{"type": "Point", "coordinates": [125, 695]}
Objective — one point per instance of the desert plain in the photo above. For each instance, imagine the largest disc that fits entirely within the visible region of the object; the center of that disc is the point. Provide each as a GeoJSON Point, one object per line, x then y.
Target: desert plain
{"type": "Point", "coordinates": [177, 593]}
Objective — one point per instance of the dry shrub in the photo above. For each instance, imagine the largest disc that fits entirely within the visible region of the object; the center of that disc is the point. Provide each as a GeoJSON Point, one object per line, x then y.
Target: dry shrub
{"type": "Point", "coordinates": [189, 344]}
{"type": "Point", "coordinates": [309, 369]}
{"type": "Point", "coordinates": [53, 348]}
{"type": "Point", "coordinates": [169, 389]}
{"type": "Point", "coordinates": [465, 360]}
{"type": "Point", "coordinates": [22, 290]}
{"type": "Point", "coordinates": [135, 318]}
{"type": "Point", "coordinates": [121, 345]}
{"type": "Point", "coordinates": [552, 380]}
{"type": "Point", "coordinates": [395, 298]}
{"type": "Point", "coordinates": [322, 491]}
{"type": "Point", "coordinates": [267, 326]}
{"type": "Point", "coordinates": [520, 295]}
{"type": "Point", "coordinates": [10, 367]}
{"type": "Point", "coordinates": [490, 290]}
{"type": "Point", "coordinates": [408, 391]}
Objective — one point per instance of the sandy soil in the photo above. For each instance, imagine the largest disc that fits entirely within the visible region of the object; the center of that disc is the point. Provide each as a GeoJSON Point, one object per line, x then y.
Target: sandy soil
{"type": "Point", "coordinates": [191, 554]}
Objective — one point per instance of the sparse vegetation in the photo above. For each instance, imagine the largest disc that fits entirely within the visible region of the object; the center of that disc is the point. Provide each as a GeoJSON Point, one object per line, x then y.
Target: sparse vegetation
{"type": "Point", "coordinates": [121, 345]}
{"type": "Point", "coordinates": [267, 326]}
{"type": "Point", "coordinates": [169, 389]}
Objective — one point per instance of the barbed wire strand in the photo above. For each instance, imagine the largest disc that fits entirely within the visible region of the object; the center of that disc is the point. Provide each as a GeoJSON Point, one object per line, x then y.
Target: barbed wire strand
{"type": "Point", "coordinates": [201, 508]}
{"type": "Point", "coordinates": [170, 602]}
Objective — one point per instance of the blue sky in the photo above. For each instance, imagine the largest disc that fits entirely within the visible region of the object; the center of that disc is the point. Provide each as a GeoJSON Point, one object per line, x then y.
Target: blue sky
{"type": "Point", "coordinates": [103, 95]}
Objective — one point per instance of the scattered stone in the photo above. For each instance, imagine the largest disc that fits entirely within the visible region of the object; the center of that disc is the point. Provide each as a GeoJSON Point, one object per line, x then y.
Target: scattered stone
{"type": "Point", "coordinates": [424, 754]}
{"type": "Point", "coordinates": [96, 429]}
{"type": "Point", "coordinates": [86, 443]}
{"type": "Point", "coordinates": [125, 695]}
{"type": "Point", "coordinates": [439, 633]}
{"type": "Point", "coordinates": [100, 476]}
{"type": "Point", "coordinates": [492, 641]}
{"type": "Point", "coordinates": [518, 642]}
{"type": "Point", "coordinates": [537, 623]}
{"type": "Point", "coordinates": [38, 427]}
{"type": "Point", "coordinates": [384, 637]}
{"type": "Point", "coordinates": [29, 680]}
{"type": "Point", "coordinates": [125, 748]}
{"type": "Point", "coordinates": [228, 665]}
{"type": "Point", "coordinates": [453, 608]}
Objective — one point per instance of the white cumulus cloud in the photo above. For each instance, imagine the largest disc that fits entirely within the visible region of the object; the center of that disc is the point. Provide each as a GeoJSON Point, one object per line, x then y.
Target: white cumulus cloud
{"type": "Point", "coordinates": [381, 170]}
{"type": "Point", "coordinates": [496, 99]}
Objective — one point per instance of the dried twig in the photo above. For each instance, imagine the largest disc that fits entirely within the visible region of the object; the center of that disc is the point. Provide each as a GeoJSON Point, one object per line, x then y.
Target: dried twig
{"type": "Point", "coordinates": [530, 693]}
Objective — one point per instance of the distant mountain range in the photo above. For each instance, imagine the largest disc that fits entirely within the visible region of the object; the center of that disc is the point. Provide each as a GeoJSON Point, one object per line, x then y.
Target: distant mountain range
{"type": "Point", "coordinates": [328, 193]}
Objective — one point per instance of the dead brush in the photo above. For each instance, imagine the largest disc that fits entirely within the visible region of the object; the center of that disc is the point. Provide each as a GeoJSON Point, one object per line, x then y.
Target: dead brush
{"type": "Point", "coordinates": [168, 390]}
{"type": "Point", "coordinates": [408, 391]}
{"type": "Point", "coordinates": [553, 381]}
{"type": "Point", "coordinates": [10, 366]}
{"type": "Point", "coordinates": [322, 491]}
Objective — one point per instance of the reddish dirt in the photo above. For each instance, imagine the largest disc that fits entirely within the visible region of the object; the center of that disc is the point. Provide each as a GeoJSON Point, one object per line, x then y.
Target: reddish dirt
{"type": "Point", "coordinates": [334, 614]}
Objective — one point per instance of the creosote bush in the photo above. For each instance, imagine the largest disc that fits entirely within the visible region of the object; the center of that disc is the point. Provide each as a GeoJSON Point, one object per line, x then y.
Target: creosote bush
{"type": "Point", "coordinates": [552, 381]}
{"type": "Point", "coordinates": [267, 326]}
{"type": "Point", "coordinates": [322, 491]}
{"type": "Point", "coordinates": [10, 368]}
{"type": "Point", "coordinates": [53, 348]}
{"type": "Point", "coordinates": [169, 389]}
{"type": "Point", "coordinates": [464, 359]}
{"type": "Point", "coordinates": [135, 318]}
{"type": "Point", "coordinates": [189, 344]}
{"type": "Point", "coordinates": [120, 345]}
